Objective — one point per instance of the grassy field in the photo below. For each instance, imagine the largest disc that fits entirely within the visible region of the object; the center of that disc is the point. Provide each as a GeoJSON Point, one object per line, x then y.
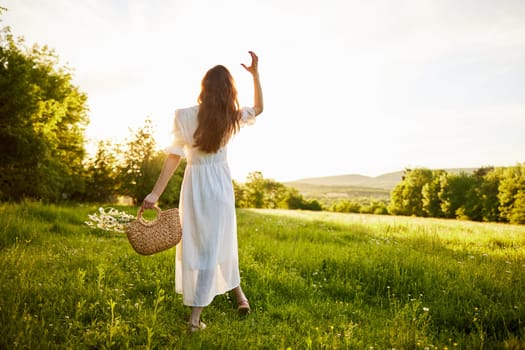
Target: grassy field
{"type": "Point", "coordinates": [315, 281]}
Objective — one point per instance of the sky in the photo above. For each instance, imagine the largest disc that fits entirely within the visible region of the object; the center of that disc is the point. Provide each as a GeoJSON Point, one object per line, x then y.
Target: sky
{"type": "Point", "coordinates": [350, 87]}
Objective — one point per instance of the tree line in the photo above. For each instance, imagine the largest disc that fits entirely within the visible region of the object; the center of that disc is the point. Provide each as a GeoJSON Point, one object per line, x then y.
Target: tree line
{"type": "Point", "coordinates": [259, 192]}
{"type": "Point", "coordinates": [488, 194]}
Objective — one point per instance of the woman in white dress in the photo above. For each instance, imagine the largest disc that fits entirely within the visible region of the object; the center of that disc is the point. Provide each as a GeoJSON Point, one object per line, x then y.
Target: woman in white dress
{"type": "Point", "coordinates": [207, 261]}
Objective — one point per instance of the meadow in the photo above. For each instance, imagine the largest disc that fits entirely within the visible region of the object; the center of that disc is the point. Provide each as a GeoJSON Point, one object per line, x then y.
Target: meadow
{"type": "Point", "coordinates": [315, 280]}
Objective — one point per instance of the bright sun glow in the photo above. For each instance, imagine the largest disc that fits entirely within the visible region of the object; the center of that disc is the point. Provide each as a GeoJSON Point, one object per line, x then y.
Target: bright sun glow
{"type": "Point", "coordinates": [349, 86]}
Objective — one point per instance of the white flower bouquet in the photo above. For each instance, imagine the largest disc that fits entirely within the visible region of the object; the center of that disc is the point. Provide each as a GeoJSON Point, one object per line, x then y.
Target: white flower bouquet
{"type": "Point", "coordinates": [109, 219]}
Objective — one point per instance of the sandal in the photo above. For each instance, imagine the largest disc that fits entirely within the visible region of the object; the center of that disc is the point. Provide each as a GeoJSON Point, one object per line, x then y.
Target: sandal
{"type": "Point", "coordinates": [243, 307]}
{"type": "Point", "coordinates": [195, 328]}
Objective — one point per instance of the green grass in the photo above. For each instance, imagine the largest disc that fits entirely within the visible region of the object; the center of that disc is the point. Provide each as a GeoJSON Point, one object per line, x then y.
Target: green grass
{"type": "Point", "coordinates": [315, 281]}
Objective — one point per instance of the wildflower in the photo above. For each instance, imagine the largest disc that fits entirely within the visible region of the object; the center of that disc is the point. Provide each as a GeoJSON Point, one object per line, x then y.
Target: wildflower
{"type": "Point", "coordinates": [109, 220]}
{"type": "Point", "coordinates": [425, 309]}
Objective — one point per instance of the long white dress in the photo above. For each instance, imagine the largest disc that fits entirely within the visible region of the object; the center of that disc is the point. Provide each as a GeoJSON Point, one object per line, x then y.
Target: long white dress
{"type": "Point", "coordinates": [206, 262]}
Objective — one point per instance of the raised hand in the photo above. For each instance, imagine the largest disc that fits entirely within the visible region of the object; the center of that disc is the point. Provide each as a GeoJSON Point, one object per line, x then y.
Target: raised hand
{"type": "Point", "coordinates": [253, 68]}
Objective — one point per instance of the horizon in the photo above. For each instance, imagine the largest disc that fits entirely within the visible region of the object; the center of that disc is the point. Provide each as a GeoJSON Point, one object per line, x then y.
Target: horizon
{"type": "Point", "coordinates": [447, 169]}
{"type": "Point", "coordinates": [349, 87]}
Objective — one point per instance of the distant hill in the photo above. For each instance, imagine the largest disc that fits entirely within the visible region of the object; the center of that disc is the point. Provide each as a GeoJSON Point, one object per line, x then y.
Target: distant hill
{"type": "Point", "coordinates": [329, 194]}
{"type": "Point", "coordinates": [385, 182]}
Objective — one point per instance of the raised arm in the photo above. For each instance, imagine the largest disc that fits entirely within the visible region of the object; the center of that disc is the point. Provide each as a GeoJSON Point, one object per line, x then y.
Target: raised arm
{"type": "Point", "coordinates": [258, 104]}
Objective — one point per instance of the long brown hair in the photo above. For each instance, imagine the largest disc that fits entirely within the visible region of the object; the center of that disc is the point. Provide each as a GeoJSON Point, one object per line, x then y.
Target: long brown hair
{"type": "Point", "coordinates": [219, 112]}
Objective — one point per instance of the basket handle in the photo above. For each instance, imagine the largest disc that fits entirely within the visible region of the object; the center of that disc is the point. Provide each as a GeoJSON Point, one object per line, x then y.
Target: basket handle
{"type": "Point", "coordinates": [141, 211]}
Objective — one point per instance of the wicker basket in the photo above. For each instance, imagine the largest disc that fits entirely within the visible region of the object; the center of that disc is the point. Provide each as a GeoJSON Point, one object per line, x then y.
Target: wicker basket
{"type": "Point", "coordinates": [150, 237]}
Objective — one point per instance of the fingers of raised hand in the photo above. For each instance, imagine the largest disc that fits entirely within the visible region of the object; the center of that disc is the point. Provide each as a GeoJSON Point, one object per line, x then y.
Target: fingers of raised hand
{"type": "Point", "coordinates": [255, 59]}
{"type": "Point", "coordinates": [253, 66]}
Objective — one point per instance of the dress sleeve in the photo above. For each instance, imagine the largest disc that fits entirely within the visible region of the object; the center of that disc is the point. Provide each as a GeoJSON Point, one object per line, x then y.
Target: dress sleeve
{"type": "Point", "coordinates": [247, 116]}
{"type": "Point", "coordinates": [177, 146]}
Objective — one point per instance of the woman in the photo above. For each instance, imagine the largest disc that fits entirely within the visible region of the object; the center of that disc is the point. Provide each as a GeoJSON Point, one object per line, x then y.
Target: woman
{"type": "Point", "coordinates": [206, 261]}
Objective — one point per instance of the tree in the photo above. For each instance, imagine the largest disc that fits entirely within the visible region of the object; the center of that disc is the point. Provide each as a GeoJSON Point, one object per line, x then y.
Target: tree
{"type": "Point", "coordinates": [42, 121]}
{"type": "Point", "coordinates": [489, 195]}
{"type": "Point", "coordinates": [407, 196]}
{"type": "Point", "coordinates": [346, 206]}
{"type": "Point", "coordinates": [374, 207]}
{"type": "Point", "coordinates": [294, 200]}
{"type": "Point", "coordinates": [102, 173]}
{"type": "Point", "coordinates": [254, 190]}
{"type": "Point", "coordinates": [517, 214]}
{"type": "Point", "coordinates": [454, 195]}
{"type": "Point", "coordinates": [142, 164]}
{"type": "Point", "coordinates": [478, 194]}
{"type": "Point", "coordinates": [430, 195]}
{"type": "Point", "coordinates": [240, 195]}
{"type": "Point", "coordinates": [264, 193]}
{"type": "Point", "coordinates": [137, 176]}
{"type": "Point", "coordinates": [512, 194]}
